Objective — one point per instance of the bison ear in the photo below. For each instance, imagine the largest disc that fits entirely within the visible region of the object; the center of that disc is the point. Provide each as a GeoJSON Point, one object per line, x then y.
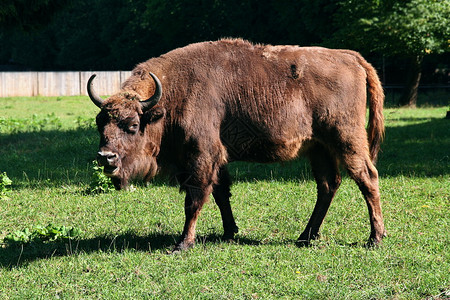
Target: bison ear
{"type": "Point", "coordinates": [156, 114]}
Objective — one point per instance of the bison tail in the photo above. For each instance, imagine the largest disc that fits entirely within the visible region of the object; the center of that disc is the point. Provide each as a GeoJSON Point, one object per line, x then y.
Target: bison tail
{"type": "Point", "coordinates": [376, 119]}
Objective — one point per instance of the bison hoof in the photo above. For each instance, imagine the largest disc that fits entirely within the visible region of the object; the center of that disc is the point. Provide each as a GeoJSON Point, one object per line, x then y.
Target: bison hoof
{"type": "Point", "coordinates": [182, 246]}
{"type": "Point", "coordinates": [305, 239]}
{"type": "Point", "coordinates": [303, 243]}
{"type": "Point", "coordinates": [376, 239]}
{"type": "Point", "coordinates": [228, 235]}
{"type": "Point", "coordinates": [373, 243]}
{"type": "Point", "coordinates": [228, 238]}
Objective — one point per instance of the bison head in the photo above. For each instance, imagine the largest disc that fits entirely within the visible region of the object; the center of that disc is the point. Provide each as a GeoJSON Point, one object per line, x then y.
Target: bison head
{"type": "Point", "coordinates": [130, 134]}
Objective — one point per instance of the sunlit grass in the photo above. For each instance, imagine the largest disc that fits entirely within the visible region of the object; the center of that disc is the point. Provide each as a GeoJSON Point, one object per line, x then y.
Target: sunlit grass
{"type": "Point", "coordinates": [122, 251]}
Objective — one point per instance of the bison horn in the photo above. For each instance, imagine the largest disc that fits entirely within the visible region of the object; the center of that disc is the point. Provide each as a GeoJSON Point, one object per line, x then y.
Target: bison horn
{"type": "Point", "coordinates": [153, 100]}
{"type": "Point", "coordinates": [92, 94]}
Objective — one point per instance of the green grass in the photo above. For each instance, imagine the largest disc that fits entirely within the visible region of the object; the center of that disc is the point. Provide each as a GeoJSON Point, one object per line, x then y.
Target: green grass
{"type": "Point", "coordinates": [126, 235]}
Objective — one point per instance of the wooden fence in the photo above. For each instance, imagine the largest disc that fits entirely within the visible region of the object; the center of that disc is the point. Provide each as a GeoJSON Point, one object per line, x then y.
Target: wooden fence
{"type": "Point", "coordinates": [59, 83]}
{"type": "Point", "coordinates": [74, 83]}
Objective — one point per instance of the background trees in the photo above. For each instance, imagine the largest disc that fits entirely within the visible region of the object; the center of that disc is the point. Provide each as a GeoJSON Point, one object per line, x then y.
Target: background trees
{"type": "Point", "coordinates": [410, 29]}
{"type": "Point", "coordinates": [117, 34]}
{"type": "Point", "coordinates": [28, 14]}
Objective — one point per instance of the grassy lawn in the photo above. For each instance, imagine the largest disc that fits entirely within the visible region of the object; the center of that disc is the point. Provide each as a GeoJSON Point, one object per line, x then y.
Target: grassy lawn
{"type": "Point", "coordinates": [47, 146]}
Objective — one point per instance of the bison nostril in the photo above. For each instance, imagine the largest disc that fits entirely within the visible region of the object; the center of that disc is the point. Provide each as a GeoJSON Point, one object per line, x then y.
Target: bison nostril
{"type": "Point", "coordinates": [111, 156]}
{"type": "Point", "coordinates": [106, 158]}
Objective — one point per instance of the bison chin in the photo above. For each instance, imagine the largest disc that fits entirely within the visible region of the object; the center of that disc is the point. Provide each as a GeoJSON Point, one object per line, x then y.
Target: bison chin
{"type": "Point", "coordinates": [137, 172]}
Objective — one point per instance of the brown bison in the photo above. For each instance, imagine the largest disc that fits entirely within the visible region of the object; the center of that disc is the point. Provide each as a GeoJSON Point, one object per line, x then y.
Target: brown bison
{"type": "Point", "coordinates": [196, 108]}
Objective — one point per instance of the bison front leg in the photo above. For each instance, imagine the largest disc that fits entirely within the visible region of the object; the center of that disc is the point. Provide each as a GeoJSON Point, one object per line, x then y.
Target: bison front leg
{"type": "Point", "coordinates": [195, 198]}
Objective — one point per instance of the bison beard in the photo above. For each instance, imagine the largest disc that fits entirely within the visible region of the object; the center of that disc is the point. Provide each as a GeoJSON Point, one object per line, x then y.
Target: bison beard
{"type": "Point", "coordinates": [215, 102]}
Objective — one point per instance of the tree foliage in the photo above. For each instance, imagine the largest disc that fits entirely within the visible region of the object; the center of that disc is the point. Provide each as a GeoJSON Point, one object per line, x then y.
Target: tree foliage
{"type": "Point", "coordinates": [117, 34]}
{"type": "Point", "coordinates": [28, 14]}
{"type": "Point", "coordinates": [407, 27]}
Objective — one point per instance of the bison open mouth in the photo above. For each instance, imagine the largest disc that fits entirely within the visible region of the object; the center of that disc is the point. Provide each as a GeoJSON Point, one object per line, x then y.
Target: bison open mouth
{"type": "Point", "coordinates": [110, 171]}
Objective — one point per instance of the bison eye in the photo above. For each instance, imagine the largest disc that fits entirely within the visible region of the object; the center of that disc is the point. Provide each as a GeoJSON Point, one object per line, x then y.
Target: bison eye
{"type": "Point", "coordinates": [133, 128]}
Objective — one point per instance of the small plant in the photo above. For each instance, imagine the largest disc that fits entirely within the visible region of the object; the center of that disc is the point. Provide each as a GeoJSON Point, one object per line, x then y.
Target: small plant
{"type": "Point", "coordinates": [85, 122]}
{"type": "Point", "coordinates": [34, 124]}
{"type": "Point", "coordinates": [5, 182]}
{"type": "Point", "coordinates": [100, 183]}
{"type": "Point", "coordinates": [40, 233]}
{"type": "Point", "coordinates": [49, 121]}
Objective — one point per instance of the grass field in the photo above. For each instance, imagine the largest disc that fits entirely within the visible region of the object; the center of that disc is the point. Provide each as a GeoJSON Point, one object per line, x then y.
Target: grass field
{"type": "Point", "coordinates": [47, 146]}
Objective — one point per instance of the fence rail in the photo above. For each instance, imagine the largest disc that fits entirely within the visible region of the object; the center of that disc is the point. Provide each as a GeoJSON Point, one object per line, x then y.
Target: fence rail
{"type": "Point", "coordinates": [59, 83]}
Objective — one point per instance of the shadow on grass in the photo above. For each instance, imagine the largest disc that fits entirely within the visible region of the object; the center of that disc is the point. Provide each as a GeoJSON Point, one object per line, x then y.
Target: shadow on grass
{"type": "Point", "coordinates": [52, 157]}
{"type": "Point", "coordinates": [64, 157]}
{"type": "Point", "coordinates": [420, 150]}
{"type": "Point", "coordinates": [20, 255]}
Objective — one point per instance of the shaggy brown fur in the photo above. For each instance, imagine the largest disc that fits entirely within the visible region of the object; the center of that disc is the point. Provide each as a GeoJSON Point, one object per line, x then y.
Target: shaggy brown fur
{"type": "Point", "coordinates": [233, 100]}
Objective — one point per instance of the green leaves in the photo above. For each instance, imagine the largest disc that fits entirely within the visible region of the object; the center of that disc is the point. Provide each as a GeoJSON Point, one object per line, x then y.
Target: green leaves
{"type": "Point", "coordinates": [40, 233]}
{"type": "Point", "coordinates": [34, 124]}
{"type": "Point", "coordinates": [100, 183]}
{"type": "Point", "coordinates": [419, 25]}
{"type": "Point", "coordinates": [409, 28]}
{"type": "Point", "coordinates": [28, 15]}
{"type": "Point", "coordinates": [5, 182]}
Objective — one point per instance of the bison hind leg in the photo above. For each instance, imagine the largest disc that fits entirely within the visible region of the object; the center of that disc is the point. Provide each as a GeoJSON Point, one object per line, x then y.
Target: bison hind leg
{"type": "Point", "coordinates": [221, 193]}
{"type": "Point", "coordinates": [364, 173]}
{"type": "Point", "coordinates": [328, 179]}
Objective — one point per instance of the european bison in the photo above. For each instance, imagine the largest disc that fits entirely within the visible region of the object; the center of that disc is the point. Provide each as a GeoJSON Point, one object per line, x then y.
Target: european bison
{"type": "Point", "coordinates": [196, 108]}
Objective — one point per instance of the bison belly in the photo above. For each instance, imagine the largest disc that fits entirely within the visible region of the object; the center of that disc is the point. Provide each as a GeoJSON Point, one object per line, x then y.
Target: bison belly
{"type": "Point", "coordinates": [248, 142]}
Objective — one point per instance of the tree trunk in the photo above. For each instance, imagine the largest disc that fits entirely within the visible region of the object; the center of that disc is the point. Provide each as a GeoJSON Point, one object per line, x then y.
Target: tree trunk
{"type": "Point", "coordinates": [409, 96]}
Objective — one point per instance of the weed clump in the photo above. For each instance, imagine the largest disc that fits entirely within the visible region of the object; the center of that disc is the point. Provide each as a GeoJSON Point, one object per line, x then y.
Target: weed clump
{"type": "Point", "coordinates": [34, 124]}
{"type": "Point", "coordinates": [85, 122]}
{"type": "Point", "coordinates": [5, 182]}
{"type": "Point", "coordinates": [41, 233]}
{"type": "Point", "coordinates": [100, 183]}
